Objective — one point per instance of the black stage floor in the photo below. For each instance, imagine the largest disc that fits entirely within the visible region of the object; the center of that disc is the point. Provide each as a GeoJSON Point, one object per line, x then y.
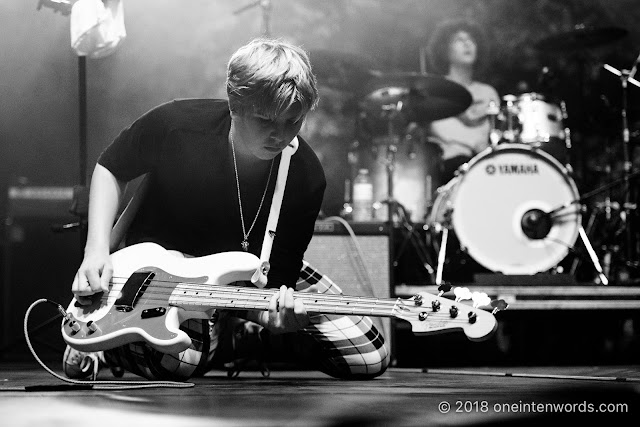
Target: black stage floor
{"type": "Point", "coordinates": [400, 397]}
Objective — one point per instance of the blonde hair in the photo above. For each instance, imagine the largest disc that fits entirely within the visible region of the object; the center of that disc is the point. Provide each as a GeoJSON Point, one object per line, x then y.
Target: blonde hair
{"type": "Point", "coordinates": [268, 76]}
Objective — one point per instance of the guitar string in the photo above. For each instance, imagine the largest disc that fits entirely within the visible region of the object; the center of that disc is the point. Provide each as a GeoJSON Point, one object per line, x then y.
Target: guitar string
{"type": "Point", "coordinates": [357, 302]}
{"type": "Point", "coordinates": [248, 290]}
{"type": "Point", "coordinates": [439, 315]}
{"type": "Point", "coordinates": [207, 288]}
{"type": "Point", "coordinates": [434, 316]}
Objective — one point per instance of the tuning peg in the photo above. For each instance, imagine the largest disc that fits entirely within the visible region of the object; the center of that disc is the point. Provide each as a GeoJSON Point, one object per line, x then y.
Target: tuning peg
{"type": "Point", "coordinates": [480, 299]}
{"type": "Point", "coordinates": [498, 305]}
{"type": "Point", "coordinates": [444, 288]}
{"type": "Point", "coordinates": [462, 293]}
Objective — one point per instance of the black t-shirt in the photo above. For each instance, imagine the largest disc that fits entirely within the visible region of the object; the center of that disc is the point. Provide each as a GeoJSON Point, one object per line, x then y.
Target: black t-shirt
{"type": "Point", "coordinates": [192, 202]}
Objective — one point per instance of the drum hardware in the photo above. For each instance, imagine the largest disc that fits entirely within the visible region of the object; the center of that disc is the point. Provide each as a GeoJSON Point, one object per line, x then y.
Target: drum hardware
{"type": "Point", "coordinates": [266, 8]}
{"type": "Point", "coordinates": [574, 45]}
{"type": "Point", "coordinates": [398, 103]}
{"type": "Point", "coordinates": [626, 77]}
{"type": "Point", "coordinates": [396, 211]}
{"type": "Point", "coordinates": [492, 112]}
{"type": "Point", "coordinates": [567, 137]}
{"type": "Point", "coordinates": [411, 236]}
{"type": "Point", "coordinates": [607, 207]}
{"type": "Point", "coordinates": [510, 133]}
{"type": "Point", "coordinates": [442, 252]}
{"type": "Point", "coordinates": [395, 103]}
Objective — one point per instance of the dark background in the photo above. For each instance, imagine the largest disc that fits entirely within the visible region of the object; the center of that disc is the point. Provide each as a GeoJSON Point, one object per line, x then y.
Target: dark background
{"type": "Point", "coordinates": [179, 49]}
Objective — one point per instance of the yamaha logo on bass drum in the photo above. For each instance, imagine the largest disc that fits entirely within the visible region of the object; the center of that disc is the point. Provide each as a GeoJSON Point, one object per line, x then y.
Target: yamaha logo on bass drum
{"type": "Point", "coordinates": [513, 169]}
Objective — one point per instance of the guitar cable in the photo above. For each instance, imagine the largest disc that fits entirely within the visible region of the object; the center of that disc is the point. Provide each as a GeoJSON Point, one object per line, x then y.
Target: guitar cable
{"type": "Point", "coordinates": [84, 384]}
{"type": "Point", "coordinates": [365, 270]}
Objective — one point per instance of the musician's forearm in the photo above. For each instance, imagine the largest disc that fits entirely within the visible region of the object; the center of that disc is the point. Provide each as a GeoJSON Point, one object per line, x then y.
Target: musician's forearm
{"type": "Point", "coordinates": [104, 200]}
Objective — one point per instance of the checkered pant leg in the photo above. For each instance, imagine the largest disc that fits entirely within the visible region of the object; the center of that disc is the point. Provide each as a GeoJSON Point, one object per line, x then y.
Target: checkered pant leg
{"type": "Point", "coordinates": [349, 347]}
{"type": "Point", "coordinates": [145, 361]}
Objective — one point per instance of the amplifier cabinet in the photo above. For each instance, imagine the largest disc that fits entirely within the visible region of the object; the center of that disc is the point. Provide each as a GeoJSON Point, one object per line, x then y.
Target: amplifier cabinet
{"type": "Point", "coordinates": [39, 260]}
{"type": "Point", "coordinates": [360, 266]}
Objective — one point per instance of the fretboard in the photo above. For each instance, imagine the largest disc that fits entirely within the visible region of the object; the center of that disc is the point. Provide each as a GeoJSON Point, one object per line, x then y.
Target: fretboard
{"type": "Point", "coordinates": [240, 298]}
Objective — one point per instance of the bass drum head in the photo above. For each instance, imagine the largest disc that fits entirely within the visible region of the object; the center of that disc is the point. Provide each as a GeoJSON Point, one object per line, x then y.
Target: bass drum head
{"type": "Point", "coordinates": [491, 198]}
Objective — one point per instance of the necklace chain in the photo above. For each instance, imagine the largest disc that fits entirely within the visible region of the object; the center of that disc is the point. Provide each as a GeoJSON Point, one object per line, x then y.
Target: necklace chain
{"type": "Point", "coordinates": [245, 242]}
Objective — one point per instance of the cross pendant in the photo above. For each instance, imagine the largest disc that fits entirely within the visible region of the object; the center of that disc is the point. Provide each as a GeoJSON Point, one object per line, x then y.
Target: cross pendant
{"type": "Point", "coordinates": [245, 245]}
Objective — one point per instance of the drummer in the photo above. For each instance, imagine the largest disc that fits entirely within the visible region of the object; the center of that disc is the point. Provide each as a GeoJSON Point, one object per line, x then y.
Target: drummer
{"type": "Point", "coordinates": [455, 50]}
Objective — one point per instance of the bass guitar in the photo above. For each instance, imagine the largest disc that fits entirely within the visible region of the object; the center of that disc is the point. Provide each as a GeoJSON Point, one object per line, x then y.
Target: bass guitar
{"type": "Point", "coordinates": [152, 291]}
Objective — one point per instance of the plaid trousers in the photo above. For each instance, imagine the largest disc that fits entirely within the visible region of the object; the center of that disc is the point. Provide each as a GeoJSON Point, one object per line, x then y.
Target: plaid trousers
{"type": "Point", "coordinates": [346, 347]}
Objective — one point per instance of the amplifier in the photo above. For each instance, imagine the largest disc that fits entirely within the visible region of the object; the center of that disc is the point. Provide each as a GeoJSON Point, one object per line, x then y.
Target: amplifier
{"type": "Point", "coordinates": [38, 261]}
{"type": "Point", "coordinates": [39, 201]}
{"type": "Point", "coordinates": [360, 264]}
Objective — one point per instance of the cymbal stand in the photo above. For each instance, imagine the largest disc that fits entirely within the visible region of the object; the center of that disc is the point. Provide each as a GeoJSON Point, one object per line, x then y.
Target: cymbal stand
{"type": "Point", "coordinates": [265, 5]}
{"type": "Point", "coordinates": [396, 211]}
{"type": "Point", "coordinates": [567, 138]}
{"type": "Point", "coordinates": [626, 77]}
{"type": "Point", "coordinates": [558, 211]}
{"type": "Point", "coordinates": [392, 111]}
{"type": "Point", "coordinates": [442, 253]}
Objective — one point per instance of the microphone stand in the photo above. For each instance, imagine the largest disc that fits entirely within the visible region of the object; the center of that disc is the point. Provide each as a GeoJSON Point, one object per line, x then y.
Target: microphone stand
{"type": "Point", "coordinates": [79, 206]}
{"type": "Point", "coordinates": [265, 5]}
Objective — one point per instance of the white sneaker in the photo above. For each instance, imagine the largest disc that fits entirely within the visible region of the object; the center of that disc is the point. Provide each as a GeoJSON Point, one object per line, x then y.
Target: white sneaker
{"type": "Point", "coordinates": [80, 365]}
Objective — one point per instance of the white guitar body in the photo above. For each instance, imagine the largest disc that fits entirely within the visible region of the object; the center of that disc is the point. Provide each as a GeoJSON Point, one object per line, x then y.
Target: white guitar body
{"type": "Point", "coordinates": [218, 269]}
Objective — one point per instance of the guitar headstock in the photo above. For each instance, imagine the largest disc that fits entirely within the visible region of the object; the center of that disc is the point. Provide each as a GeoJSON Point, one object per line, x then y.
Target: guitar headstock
{"type": "Point", "coordinates": [429, 314]}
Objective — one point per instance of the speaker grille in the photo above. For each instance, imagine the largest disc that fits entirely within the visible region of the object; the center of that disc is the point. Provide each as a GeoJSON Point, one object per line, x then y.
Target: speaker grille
{"type": "Point", "coordinates": [360, 267]}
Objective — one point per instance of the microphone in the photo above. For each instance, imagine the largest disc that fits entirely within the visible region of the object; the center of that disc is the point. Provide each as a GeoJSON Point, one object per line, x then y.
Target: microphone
{"type": "Point", "coordinates": [536, 224]}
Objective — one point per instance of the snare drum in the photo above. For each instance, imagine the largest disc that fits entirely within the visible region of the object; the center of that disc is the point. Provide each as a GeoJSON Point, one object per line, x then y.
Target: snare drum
{"type": "Point", "coordinates": [491, 200]}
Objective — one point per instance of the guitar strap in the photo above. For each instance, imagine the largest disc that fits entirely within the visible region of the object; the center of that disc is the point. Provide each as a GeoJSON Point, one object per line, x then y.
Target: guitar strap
{"type": "Point", "coordinates": [259, 279]}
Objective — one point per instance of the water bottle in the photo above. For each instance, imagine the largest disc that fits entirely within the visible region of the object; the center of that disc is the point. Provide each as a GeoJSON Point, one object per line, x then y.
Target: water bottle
{"type": "Point", "coordinates": [363, 196]}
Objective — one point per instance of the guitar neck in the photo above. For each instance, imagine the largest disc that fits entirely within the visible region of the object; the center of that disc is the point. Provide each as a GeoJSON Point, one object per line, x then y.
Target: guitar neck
{"type": "Point", "coordinates": [240, 298]}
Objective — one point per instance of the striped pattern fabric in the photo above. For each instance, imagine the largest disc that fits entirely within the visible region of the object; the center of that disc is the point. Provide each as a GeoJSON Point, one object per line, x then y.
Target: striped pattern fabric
{"type": "Point", "coordinates": [347, 347]}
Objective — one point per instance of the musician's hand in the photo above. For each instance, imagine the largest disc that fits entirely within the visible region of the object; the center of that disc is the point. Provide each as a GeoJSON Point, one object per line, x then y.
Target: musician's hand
{"type": "Point", "coordinates": [93, 276]}
{"type": "Point", "coordinates": [285, 314]}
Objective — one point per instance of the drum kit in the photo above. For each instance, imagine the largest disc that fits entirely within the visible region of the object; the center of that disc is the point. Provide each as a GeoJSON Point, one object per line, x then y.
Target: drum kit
{"type": "Point", "coordinates": [514, 208]}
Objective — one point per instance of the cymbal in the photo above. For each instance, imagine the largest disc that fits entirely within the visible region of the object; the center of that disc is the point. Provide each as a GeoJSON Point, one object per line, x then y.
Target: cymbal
{"type": "Point", "coordinates": [424, 97]}
{"type": "Point", "coordinates": [581, 37]}
{"type": "Point", "coordinates": [340, 70]}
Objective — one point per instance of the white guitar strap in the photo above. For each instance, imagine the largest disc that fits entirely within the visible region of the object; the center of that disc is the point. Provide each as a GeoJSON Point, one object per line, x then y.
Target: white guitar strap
{"type": "Point", "coordinates": [260, 276]}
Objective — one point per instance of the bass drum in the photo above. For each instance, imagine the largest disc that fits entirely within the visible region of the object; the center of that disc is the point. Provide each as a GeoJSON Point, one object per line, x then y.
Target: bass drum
{"type": "Point", "coordinates": [494, 204]}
